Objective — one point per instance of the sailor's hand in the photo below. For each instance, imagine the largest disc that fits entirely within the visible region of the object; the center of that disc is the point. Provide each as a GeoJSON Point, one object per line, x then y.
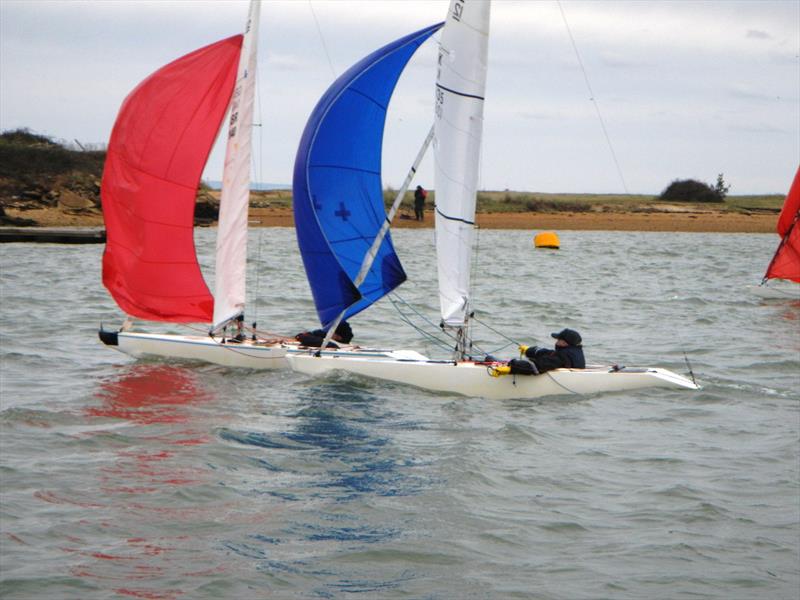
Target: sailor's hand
{"type": "Point", "coordinates": [523, 349]}
{"type": "Point", "coordinates": [501, 370]}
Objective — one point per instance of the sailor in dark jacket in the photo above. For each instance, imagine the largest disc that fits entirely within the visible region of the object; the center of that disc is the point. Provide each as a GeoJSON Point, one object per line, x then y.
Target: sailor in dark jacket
{"type": "Point", "coordinates": [567, 354]}
{"type": "Point", "coordinates": [342, 335]}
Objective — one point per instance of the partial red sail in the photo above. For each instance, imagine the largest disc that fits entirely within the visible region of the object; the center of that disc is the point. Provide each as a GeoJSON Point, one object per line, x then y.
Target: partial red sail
{"type": "Point", "coordinates": [786, 262]}
{"type": "Point", "coordinates": [158, 149]}
{"type": "Point", "coordinates": [791, 206]}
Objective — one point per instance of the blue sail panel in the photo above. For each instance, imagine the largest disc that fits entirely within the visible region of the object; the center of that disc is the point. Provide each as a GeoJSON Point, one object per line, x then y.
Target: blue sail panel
{"type": "Point", "coordinates": [337, 187]}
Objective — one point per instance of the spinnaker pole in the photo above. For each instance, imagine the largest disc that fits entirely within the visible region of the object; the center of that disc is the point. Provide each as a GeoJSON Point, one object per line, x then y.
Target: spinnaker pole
{"type": "Point", "coordinates": [369, 257]}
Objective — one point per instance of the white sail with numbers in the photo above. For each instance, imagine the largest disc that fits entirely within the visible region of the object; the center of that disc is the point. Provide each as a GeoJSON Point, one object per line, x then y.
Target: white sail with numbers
{"type": "Point", "coordinates": [460, 89]}
{"type": "Point", "coordinates": [231, 266]}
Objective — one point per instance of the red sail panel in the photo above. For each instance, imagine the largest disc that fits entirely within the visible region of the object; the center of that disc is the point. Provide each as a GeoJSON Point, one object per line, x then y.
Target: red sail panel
{"type": "Point", "coordinates": [786, 262]}
{"type": "Point", "coordinates": [158, 149]}
{"type": "Point", "coordinates": [791, 206]}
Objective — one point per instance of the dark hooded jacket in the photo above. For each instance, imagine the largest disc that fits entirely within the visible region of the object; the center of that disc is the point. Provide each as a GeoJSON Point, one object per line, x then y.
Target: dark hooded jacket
{"type": "Point", "coordinates": [540, 360]}
{"type": "Point", "coordinates": [568, 357]}
{"type": "Point", "coordinates": [315, 338]}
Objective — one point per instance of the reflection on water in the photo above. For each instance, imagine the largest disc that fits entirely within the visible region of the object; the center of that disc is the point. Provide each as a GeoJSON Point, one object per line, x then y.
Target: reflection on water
{"type": "Point", "coordinates": [148, 485]}
{"type": "Point", "coordinates": [334, 450]}
{"type": "Point", "coordinates": [149, 393]}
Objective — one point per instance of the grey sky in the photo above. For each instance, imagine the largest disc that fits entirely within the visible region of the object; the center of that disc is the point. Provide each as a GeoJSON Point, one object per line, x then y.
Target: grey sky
{"type": "Point", "coordinates": [685, 89]}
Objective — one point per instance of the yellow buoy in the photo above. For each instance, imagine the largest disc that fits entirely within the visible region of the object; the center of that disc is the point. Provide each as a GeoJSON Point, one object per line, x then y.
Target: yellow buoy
{"type": "Point", "coordinates": [546, 239]}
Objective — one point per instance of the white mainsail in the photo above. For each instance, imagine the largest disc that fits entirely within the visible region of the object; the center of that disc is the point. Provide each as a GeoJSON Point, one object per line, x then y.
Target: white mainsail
{"type": "Point", "coordinates": [231, 266]}
{"type": "Point", "coordinates": [460, 88]}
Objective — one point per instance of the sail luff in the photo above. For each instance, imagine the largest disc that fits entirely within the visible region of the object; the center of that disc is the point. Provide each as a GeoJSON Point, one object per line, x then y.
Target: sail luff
{"type": "Point", "coordinates": [460, 90]}
{"type": "Point", "coordinates": [231, 256]}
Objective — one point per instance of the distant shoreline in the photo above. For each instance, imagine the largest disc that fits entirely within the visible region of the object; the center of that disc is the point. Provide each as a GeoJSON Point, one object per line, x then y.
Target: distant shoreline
{"type": "Point", "coordinates": [709, 222]}
{"type": "Point", "coordinates": [689, 221]}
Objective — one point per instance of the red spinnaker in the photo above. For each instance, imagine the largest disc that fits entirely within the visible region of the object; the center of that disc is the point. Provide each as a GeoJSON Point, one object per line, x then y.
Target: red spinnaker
{"type": "Point", "coordinates": [158, 149]}
{"type": "Point", "coordinates": [786, 262]}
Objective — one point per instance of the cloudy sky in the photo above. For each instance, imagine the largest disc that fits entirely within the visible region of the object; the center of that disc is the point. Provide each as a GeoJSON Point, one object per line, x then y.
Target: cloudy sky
{"type": "Point", "coordinates": [683, 89]}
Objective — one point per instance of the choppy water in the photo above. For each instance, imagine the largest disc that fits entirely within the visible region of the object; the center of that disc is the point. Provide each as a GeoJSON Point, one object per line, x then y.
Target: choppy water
{"type": "Point", "coordinates": [124, 479]}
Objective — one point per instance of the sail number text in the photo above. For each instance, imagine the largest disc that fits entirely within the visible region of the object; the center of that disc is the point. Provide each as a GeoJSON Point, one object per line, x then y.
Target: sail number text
{"type": "Point", "coordinates": [439, 102]}
{"type": "Point", "coordinates": [458, 9]}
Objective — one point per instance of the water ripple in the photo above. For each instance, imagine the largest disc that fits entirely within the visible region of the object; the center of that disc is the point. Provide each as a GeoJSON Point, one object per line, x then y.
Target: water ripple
{"type": "Point", "coordinates": [141, 479]}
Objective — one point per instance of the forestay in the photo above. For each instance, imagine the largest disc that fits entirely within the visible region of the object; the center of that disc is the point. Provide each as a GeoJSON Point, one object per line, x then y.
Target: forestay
{"type": "Point", "coordinates": [460, 88]}
{"type": "Point", "coordinates": [231, 263]}
{"type": "Point", "coordinates": [338, 193]}
{"type": "Point", "coordinates": [158, 149]}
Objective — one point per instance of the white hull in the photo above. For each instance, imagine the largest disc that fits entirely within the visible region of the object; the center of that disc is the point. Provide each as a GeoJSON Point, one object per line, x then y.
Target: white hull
{"type": "Point", "coordinates": [777, 290]}
{"type": "Point", "coordinates": [246, 354]}
{"type": "Point", "coordinates": [471, 379]}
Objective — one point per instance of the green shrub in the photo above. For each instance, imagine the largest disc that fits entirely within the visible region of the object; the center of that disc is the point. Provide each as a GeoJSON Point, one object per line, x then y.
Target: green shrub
{"type": "Point", "coordinates": [25, 137]}
{"type": "Point", "coordinates": [28, 156]}
{"type": "Point", "coordinates": [690, 190]}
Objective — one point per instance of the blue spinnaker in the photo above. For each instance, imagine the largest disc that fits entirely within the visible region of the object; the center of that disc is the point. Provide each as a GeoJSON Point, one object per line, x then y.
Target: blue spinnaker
{"type": "Point", "coordinates": [337, 188]}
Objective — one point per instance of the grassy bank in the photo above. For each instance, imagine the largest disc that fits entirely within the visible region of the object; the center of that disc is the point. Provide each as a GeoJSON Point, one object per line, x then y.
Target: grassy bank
{"type": "Point", "coordinates": [522, 202]}
{"type": "Point", "coordinates": [43, 181]}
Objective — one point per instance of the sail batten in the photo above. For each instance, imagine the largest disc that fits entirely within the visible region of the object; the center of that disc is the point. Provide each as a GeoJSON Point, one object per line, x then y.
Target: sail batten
{"type": "Point", "coordinates": [458, 93]}
{"type": "Point", "coordinates": [337, 188]}
{"type": "Point", "coordinates": [156, 154]}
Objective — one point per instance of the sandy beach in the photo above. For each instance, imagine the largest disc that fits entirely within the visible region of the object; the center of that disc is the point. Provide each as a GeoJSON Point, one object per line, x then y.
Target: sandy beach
{"type": "Point", "coordinates": [706, 221]}
{"type": "Point", "coordinates": [723, 222]}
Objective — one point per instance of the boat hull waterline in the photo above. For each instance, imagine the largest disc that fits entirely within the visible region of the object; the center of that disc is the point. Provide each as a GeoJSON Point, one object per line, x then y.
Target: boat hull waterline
{"type": "Point", "coordinates": [473, 379]}
{"type": "Point", "coordinates": [246, 354]}
{"type": "Point", "coordinates": [777, 290]}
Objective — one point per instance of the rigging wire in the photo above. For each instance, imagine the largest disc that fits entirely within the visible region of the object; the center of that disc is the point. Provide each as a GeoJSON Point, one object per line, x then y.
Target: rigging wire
{"type": "Point", "coordinates": [677, 331]}
{"type": "Point", "coordinates": [444, 344]}
{"type": "Point", "coordinates": [263, 334]}
{"type": "Point", "coordinates": [396, 299]}
{"type": "Point", "coordinates": [476, 244]}
{"type": "Point", "coordinates": [592, 97]}
{"type": "Point", "coordinates": [493, 330]}
{"type": "Point", "coordinates": [256, 167]}
{"type": "Point", "coordinates": [257, 267]}
{"type": "Point", "coordinates": [322, 39]}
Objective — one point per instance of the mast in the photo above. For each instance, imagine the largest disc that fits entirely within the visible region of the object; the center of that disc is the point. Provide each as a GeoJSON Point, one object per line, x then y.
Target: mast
{"type": "Point", "coordinates": [231, 258]}
{"type": "Point", "coordinates": [460, 89]}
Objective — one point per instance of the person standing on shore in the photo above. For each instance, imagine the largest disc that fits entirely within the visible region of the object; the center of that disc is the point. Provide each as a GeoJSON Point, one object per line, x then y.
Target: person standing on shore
{"type": "Point", "coordinates": [419, 202]}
